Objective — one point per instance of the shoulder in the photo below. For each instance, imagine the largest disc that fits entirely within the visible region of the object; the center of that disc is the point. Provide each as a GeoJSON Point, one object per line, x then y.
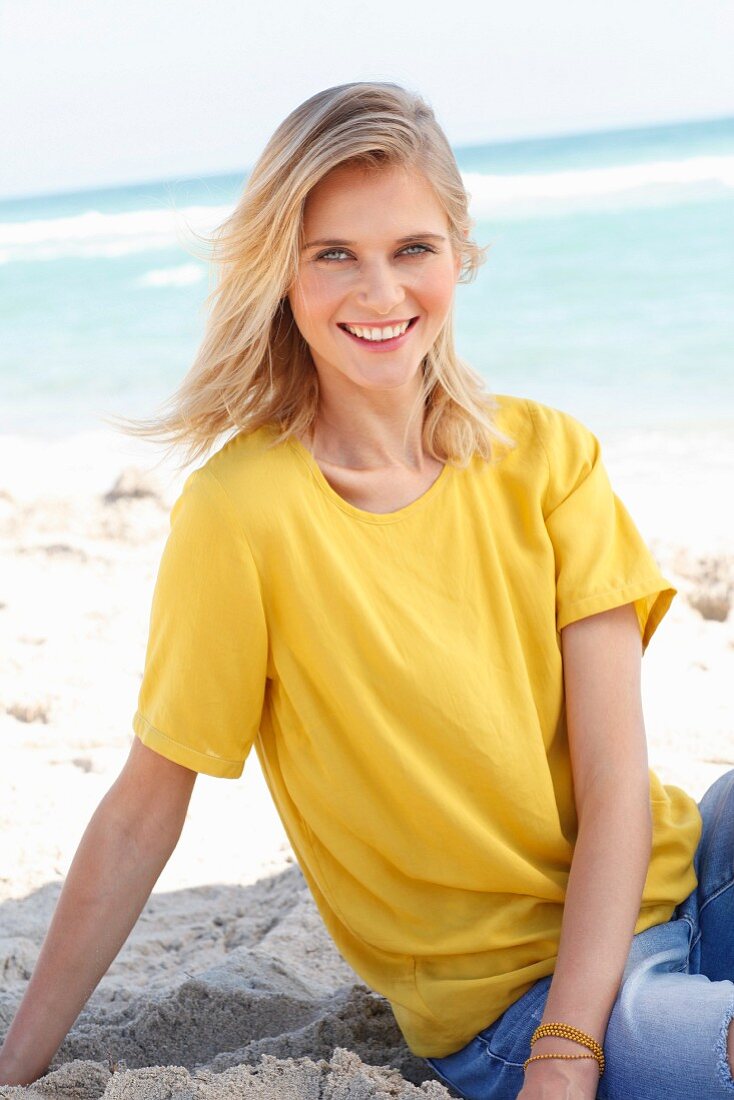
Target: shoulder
{"type": "Point", "coordinates": [553, 450]}
{"type": "Point", "coordinates": [549, 426]}
{"type": "Point", "coordinates": [538, 428]}
{"type": "Point", "coordinates": [242, 478]}
{"type": "Point", "coordinates": [245, 457]}
{"type": "Point", "coordinates": [560, 434]}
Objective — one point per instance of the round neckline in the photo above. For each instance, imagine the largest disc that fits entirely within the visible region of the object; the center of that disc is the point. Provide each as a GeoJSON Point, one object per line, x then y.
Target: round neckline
{"type": "Point", "coordinates": [361, 513]}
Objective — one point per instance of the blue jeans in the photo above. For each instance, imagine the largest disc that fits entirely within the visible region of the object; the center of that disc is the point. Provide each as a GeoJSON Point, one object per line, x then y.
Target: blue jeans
{"type": "Point", "coordinates": [667, 1033]}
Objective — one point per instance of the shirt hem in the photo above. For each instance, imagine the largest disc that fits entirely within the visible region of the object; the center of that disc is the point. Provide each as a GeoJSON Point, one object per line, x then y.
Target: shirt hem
{"type": "Point", "coordinates": [616, 597]}
{"type": "Point", "coordinates": [159, 742]}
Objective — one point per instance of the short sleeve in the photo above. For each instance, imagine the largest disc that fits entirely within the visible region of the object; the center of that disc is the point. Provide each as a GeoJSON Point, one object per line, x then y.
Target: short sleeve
{"type": "Point", "coordinates": [602, 561]}
{"type": "Point", "coordinates": [203, 684]}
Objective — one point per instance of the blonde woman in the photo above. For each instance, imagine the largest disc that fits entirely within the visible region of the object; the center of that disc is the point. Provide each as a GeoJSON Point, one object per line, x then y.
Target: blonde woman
{"type": "Point", "coordinates": [425, 608]}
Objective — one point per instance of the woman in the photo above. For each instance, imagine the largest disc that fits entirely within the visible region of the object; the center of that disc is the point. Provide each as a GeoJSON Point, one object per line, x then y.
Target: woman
{"type": "Point", "coordinates": [426, 610]}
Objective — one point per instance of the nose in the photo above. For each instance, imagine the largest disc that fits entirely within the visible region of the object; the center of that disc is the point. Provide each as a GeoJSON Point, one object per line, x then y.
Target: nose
{"type": "Point", "coordinates": [381, 291]}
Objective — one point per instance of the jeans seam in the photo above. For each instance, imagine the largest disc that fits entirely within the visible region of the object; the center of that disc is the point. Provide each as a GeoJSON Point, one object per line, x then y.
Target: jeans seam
{"type": "Point", "coordinates": [716, 894]}
{"type": "Point", "coordinates": [712, 897]}
{"type": "Point", "coordinates": [695, 937]}
{"type": "Point", "coordinates": [446, 1081]}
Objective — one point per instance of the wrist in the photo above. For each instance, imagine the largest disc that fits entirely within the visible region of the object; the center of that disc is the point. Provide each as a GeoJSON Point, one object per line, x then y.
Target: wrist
{"type": "Point", "coordinates": [548, 1044]}
{"type": "Point", "coordinates": [582, 1072]}
{"type": "Point", "coordinates": [584, 1069]}
{"type": "Point", "coordinates": [589, 1062]}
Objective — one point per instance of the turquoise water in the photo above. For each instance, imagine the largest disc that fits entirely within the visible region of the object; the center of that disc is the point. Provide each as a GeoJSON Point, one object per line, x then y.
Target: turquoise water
{"type": "Point", "coordinates": [608, 288]}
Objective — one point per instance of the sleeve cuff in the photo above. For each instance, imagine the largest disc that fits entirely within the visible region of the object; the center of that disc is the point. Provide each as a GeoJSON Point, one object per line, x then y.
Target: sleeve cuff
{"type": "Point", "coordinates": [651, 604]}
{"type": "Point", "coordinates": [153, 739]}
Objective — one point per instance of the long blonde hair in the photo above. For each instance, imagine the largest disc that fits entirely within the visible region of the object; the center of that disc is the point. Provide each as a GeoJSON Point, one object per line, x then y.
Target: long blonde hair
{"type": "Point", "coordinates": [253, 367]}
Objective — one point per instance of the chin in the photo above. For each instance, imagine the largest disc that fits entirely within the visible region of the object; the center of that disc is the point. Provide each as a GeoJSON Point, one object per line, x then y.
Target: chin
{"type": "Point", "coordinates": [393, 382]}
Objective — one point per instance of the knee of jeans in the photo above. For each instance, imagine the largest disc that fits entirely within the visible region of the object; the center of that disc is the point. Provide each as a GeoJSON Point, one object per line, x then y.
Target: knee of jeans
{"type": "Point", "coordinates": [725, 1048]}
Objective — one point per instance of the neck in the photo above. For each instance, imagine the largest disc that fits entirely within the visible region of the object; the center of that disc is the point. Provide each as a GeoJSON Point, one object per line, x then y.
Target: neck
{"type": "Point", "coordinates": [369, 430]}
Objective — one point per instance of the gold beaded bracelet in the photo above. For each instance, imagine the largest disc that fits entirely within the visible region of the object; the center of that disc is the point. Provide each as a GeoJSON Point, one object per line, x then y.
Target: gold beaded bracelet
{"type": "Point", "coordinates": [537, 1057]}
{"type": "Point", "coordinates": [567, 1031]}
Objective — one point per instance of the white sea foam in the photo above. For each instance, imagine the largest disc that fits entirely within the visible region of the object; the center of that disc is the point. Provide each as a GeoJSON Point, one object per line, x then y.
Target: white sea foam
{"type": "Point", "coordinates": [96, 234]}
{"type": "Point", "coordinates": [181, 275]}
{"type": "Point", "coordinates": [662, 182]}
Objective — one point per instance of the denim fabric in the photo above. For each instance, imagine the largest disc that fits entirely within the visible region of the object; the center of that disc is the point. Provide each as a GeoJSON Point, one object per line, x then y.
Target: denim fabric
{"type": "Point", "coordinates": [667, 1033]}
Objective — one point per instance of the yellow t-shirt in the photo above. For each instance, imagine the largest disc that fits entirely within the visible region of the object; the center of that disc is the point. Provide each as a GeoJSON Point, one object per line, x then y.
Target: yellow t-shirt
{"type": "Point", "coordinates": [400, 676]}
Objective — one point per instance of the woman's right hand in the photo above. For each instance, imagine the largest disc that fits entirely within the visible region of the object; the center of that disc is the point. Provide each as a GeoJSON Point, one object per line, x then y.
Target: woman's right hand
{"type": "Point", "coordinates": [125, 846]}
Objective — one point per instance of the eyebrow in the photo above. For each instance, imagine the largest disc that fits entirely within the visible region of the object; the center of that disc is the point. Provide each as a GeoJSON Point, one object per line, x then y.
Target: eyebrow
{"type": "Point", "coordinates": [334, 241]}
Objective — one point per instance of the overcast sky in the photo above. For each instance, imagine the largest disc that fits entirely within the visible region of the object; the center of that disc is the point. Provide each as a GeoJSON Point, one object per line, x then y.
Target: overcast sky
{"type": "Point", "coordinates": [104, 91]}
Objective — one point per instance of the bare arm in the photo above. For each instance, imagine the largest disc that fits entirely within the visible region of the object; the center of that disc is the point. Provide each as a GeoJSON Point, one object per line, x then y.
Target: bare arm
{"type": "Point", "coordinates": [123, 850]}
{"type": "Point", "coordinates": [602, 658]}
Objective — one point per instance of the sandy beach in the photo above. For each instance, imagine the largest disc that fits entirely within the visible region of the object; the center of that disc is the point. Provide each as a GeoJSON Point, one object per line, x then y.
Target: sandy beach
{"type": "Point", "coordinates": [228, 984]}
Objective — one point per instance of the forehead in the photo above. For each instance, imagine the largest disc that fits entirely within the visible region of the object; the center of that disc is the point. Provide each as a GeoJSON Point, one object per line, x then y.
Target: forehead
{"type": "Point", "coordinates": [353, 199]}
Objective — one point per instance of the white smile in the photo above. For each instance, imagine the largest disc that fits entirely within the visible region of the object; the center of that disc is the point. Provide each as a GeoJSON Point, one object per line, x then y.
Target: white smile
{"type": "Point", "coordinates": [388, 333]}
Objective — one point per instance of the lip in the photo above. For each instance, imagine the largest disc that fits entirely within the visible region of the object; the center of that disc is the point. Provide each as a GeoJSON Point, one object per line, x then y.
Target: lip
{"type": "Point", "coordinates": [380, 345]}
{"type": "Point", "coordinates": [371, 324]}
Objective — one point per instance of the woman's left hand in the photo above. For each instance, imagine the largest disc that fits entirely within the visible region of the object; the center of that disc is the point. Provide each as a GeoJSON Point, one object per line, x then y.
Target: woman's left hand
{"type": "Point", "coordinates": [560, 1079]}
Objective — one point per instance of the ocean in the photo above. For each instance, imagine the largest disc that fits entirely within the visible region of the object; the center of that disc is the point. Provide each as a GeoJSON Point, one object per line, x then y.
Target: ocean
{"type": "Point", "coordinates": [608, 288]}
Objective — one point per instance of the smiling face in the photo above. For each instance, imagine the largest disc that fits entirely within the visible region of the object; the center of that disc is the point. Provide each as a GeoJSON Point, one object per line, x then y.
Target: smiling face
{"type": "Point", "coordinates": [378, 258]}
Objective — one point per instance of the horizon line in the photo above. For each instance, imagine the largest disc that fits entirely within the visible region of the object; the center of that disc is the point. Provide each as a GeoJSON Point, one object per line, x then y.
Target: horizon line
{"type": "Point", "coordinates": [463, 147]}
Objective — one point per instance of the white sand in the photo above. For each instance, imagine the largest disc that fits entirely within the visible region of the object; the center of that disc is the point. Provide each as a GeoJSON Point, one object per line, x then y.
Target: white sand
{"type": "Point", "coordinates": [229, 976]}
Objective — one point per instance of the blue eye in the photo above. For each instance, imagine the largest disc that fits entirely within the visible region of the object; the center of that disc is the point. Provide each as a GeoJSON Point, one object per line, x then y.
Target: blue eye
{"type": "Point", "coordinates": [333, 252]}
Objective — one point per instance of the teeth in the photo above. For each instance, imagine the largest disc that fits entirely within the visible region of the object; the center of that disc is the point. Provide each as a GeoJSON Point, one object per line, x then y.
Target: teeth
{"type": "Point", "coordinates": [378, 333]}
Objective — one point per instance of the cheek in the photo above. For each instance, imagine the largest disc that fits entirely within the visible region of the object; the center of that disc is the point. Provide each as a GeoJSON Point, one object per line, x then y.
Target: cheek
{"type": "Point", "coordinates": [312, 301]}
{"type": "Point", "coordinates": [437, 292]}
